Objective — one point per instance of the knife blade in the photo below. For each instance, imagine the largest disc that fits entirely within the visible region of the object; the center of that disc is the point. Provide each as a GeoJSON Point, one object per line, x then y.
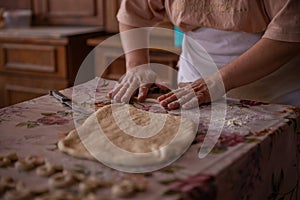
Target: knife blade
{"type": "Point", "coordinates": [68, 102]}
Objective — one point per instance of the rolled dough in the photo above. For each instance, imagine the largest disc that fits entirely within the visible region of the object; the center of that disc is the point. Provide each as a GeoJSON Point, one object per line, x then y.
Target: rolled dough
{"type": "Point", "coordinates": [122, 135]}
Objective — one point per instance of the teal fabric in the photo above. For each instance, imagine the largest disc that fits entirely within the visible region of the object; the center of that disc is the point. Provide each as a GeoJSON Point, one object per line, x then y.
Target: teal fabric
{"type": "Point", "coordinates": [178, 36]}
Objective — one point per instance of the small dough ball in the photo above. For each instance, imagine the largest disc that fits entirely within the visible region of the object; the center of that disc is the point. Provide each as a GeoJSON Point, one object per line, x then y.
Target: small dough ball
{"type": "Point", "coordinates": [91, 183]}
{"type": "Point", "coordinates": [12, 156]}
{"type": "Point", "coordinates": [57, 195]}
{"type": "Point", "coordinates": [7, 180]}
{"type": "Point", "coordinates": [22, 194]}
{"type": "Point", "coordinates": [124, 189]}
{"type": "Point", "coordinates": [7, 159]}
{"type": "Point", "coordinates": [6, 183]}
{"type": "Point", "coordinates": [77, 175]}
{"type": "Point", "coordinates": [48, 169]}
{"type": "Point", "coordinates": [4, 161]}
{"type": "Point", "coordinates": [22, 165]}
{"type": "Point", "coordinates": [92, 196]}
{"type": "Point", "coordinates": [35, 160]}
{"type": "Point", "coordinates": [142, 186]}
{"type": "Point", "coordinates": [62, 179]}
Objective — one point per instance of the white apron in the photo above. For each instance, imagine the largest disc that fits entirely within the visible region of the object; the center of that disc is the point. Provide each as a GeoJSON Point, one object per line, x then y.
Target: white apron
{"type": "Point", "coordinates": [206, 50]}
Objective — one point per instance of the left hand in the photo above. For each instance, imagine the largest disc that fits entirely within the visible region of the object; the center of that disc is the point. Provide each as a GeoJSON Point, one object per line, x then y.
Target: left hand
{"type": "Point", "coordinates": [194, 94]}
{"type": "Point", "coordinates": [137, 79]}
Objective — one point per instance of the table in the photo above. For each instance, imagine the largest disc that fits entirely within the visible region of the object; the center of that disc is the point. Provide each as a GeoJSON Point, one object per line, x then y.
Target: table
{"type": "Point", "coordinates": [256, 156]}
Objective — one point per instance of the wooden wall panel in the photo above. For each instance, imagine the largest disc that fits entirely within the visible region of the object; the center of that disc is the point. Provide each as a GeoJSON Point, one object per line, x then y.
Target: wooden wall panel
{"type": "Point", "coordinates": [31, 59]}
{"type": "Point", "coordinates": [69, 12]}
{"type": "Point", "coordinates": [111, 10]}
{"type": "Point", "coordinates": [15, 4]}
{"type": "Point", "coordinates": [67, 8]}
{"type": "Point", "coordinates": [15, 89]}
{"type": "Point", "coordinates": [18, 93]}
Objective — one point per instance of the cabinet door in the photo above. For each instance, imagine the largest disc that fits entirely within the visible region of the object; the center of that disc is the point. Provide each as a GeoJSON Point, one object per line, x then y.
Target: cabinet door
{"type": "Point", "coordinates": [111, 10]}
{"type": "Point", "coordinates": [33, 59]}
{"type": "Point", "coordinates": [15, 4]}
{"type": "Point", "coordinates": [15, 88]}
{"type": "Point", "coordinates": [69, 12]}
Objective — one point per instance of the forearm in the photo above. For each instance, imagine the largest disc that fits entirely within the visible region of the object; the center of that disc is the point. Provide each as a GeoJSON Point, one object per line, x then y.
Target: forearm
{"type": "Point", "coordinates": [134, 43]}
{"type": "Point", "coordinates": [265, 57]}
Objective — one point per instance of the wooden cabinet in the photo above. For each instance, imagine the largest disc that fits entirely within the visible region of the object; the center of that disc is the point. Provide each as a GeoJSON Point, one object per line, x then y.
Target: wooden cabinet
{"type": "Point", "coordinates": [15, 4]}
{"type": "Point", "coordinates": [15, 88]}
{"type": "Point", "coordinates": [100, 13]}
{"type": "Point", "coordinates": [69, 12]}
{"type": "Point", "coordinates": [35, 60]}
{"type": "Point", "coordinates": [48, 54]}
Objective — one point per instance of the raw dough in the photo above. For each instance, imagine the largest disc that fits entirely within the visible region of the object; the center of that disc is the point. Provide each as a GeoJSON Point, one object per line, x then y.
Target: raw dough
{"type": "Point", "coordinates": [7, 159]}
{"type": "Point", "coordinates": [22, 165]}
{"type": "Point", "coordinates": [122, 135]}
{"type": "Point", "coordinates": [90, 184]}
{"type": "Point", "coordinates": [61, 180]}
{"type": "Point", "coordinates": [124, 189]}
{"type": "Point", "coordinates": [28, 163]}
{"type": "Point", "coordinates": [48, 169]}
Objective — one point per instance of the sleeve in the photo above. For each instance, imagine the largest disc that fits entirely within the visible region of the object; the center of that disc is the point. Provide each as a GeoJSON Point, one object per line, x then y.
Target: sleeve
{"type": "Point", "coordinates": [285, 20]}
{"type": "Point", "coordinates": [141, 13]}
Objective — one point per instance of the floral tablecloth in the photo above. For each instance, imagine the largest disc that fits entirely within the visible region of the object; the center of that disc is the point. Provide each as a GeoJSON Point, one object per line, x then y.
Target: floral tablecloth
{"type": "Point", "coordinates": [256, 156]}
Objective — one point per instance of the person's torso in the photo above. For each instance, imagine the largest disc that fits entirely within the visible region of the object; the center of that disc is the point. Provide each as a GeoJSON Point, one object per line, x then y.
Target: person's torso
{"type": "Point", "coordinates": [234, 15]}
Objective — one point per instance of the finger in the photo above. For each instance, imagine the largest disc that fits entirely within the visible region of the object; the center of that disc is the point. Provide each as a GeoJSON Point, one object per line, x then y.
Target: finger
{"type": "Point", "coordinates": [121, 92]}
{"type": "Point", "coordinates": [173, 105]}
{"type": "Point", "coordinates": [143, 91]}
{"type": "Point", "coordinates": [168, 100]}
{"type": "Point", "coordinates": [198, 82]}
{"type": "Point", "coordinates": [182, 85]}
{"type": "Point", "coordinates": [179, 92]}
{"type": "Point", "coordinates": [181, 101]}
{"type": "Point", "coordinates": [191, 104]}
{"type": "Point", "coordinates": [164, 96]}
{"type": "Point", "coordinates": [113, 92]}
{"type": "Point", "coordinates": [195, 101]}
{"type": "Point", "coordinates": [199, 86]}
{"type": "Point", "coordinates": [128, 94]}
{"type": "Point", "coordinates": [132, 87]}
{"type": "Point", "coordinates": [176, 95]}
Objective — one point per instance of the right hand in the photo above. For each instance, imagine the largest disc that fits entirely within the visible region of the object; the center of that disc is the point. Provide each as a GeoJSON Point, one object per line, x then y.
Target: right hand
{"type": "Point", "coordinates": [140, 78]}
{"type": "Point", "coordinates": [190, 95]}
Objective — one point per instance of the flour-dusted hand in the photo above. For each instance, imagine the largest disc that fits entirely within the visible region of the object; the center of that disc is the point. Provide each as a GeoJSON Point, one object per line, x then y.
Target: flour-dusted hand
{"type": "Point", "coordinates": [139, 78]}
{"type": "Point", "coordinates": [193, 94]}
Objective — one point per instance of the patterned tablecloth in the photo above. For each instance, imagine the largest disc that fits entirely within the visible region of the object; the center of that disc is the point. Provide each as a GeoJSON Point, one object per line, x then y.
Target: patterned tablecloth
{"type": "Point", "coordinates": [256, 156]}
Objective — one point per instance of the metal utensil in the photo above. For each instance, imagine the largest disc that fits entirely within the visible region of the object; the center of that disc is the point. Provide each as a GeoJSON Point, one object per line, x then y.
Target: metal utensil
{"type": "Point", "coordinates": [68, 102]}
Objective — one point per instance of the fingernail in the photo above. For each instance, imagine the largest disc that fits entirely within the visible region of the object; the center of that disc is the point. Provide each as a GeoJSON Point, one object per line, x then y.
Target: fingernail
{"type": "Point", "coordinates": [159, 99]}
{"type": "Point", "coordinates": [171, 105]}
{"type": "Point", "coordinates": [186, 106]}
{"type": "Point", "coordinates": [164, 103]}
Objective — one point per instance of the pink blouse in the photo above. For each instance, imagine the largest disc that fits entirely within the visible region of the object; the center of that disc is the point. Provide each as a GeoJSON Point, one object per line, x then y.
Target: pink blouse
{"type": "Point", "coordinates": [278, 19]}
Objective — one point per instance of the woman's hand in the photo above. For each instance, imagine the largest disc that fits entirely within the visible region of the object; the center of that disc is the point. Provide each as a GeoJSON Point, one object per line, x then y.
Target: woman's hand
{"type": "Point", "coordinates": [193, 94]}
{"type": "Point", "coordinates": [139, 78]}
